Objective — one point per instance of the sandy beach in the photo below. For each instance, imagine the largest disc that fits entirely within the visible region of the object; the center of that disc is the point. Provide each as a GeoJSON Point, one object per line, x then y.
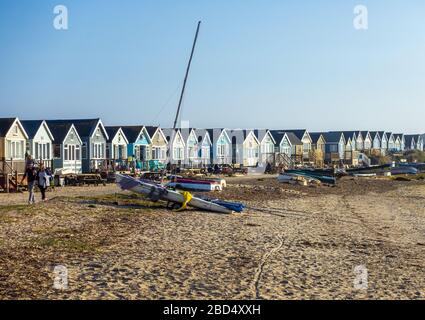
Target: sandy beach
{"type": "Point", "coordinates": [292, 242]}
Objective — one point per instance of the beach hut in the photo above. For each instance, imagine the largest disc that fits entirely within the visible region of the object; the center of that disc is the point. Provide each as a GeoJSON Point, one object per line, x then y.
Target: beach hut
{"type": "Point", "coordinates": [410, 141]}
{"type": "Point", "coordinates": [318, 147]}
{"type": "Point", "coordinates": [359, 141]}
{"type": "Point", "coordinates": [116, 148]}
{"type": "Point", "coordinates": [390, 142]}
{"type": "Point", "coordinates": [176, 146]}
{"type": "Point", "coordinates": [139, 146]}
{"type": "Point", "coordinates": [245, 147]}
{"type": "Point", "coordinates": [67, 147]}
{"type": "Point", "coordinates": [399, 141]}
{"type": "Point", "coordinates": [13, 141]}
{"type": "Point", "coordinates": [221, 146]}
{"type": "Point", "coordinates": [94, 139]}
{"type": "Point", "coordinates": [158, 144]}
{"type": "Point", "coordinates": [376, 142]}
{"type": "Point", "coordinates": [40, 141]}
{"type": "Point", "coordinates": [267, 145]}
{"type": "Point", "coordinates": [384, 142]}
{"type": "Point", "coordinates": [367, 141]}
{"type": "Point", "coordinates": [204, 147]}
{"type": "Point", "coordinates": [335, 147]}
{"type": "Point", "coordinates": [419, 142]}
{"type": "Point", "coordinates": [191, 154]}
{"type": "Point", "coordinates": [304, 136]}
{"type": "Point", "coordinates": [289, 145]}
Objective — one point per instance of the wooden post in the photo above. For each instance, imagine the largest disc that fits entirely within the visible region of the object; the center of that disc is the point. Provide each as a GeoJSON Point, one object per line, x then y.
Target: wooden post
{"type": "Point", "coordinates": [6, 176]}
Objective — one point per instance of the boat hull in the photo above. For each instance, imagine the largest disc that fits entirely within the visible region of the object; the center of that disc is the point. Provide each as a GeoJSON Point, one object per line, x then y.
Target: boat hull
{"type": "Point", "coordinates": [134, 185]}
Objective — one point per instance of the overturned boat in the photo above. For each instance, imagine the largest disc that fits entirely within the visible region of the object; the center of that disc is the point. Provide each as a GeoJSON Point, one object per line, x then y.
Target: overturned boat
{"type": "Point", "coordinates": [194, 184]}
{"type": "Point", "coordinates": [156, 192]}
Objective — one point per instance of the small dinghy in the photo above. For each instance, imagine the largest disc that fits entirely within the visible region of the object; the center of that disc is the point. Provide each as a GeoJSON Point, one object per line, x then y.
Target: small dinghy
{"type": "Point", "coordinates": [194, 184]}
{"type": "Point", "coordinates": [364, 175]}
{"type": "Point", "coordinates": [157, 192]}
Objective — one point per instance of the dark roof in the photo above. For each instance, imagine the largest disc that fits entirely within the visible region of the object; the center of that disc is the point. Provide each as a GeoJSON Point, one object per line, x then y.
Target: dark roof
{"type": "Point", "coordinates": [398, 135]}
{"type": "Point", "coordinates": [186, 132]}
{"type": "Point", "coordinates": [151, 130]}
{"type": "Point", "coordinates": [201, 134]}
{"type": "Point", "coordinates": [132, 132]}
{"type": "Point", "coordinates": [59, 130]}
{"type": "Point", "coordinates": [315, 136]}
{"type": "Point", "coordinates": [347, 134]}
{"type": "Point", "coordinates": [364, 133]}
{"type": "Point", "coordinates": [85, 127]}
{"type": "Point", "coordinates": [31, 127]}
{"type": "Point", "coordinates": [333, 137]}
{"type": "Point", "coordinates": [168, 132]}
{"type": "Point", "coordinates": [293, 139]}
{"type": "Point", "coordinates": [409, 138]}
{"type": "Point", "coordinates": [5, 124]}
{"type": "Point", "coordinates": [388, 134]}
{"type": "Point", "coordinates": [373, 134]}
{"type": "Point", "coordinates": [213, 137]}
{"type": "Point", "coordinates": [298, 132]}
{"type": "Point", "coordinates": [112, 131]}
{"type": "Point", "coordinates": [279, 134]}
{"type": "Point", "coordinates": [261, 133]}
{"type": "Point", "coordinates": [238, 132]}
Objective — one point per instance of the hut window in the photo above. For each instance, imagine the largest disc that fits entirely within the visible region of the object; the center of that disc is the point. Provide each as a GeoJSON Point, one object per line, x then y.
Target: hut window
{"type": "Point", "coordinates": [77, 152]}
{"type": "Point", "coordinates": [56, 151]}
{"type": "Point", "coordinates": [84, 150]}
{"type": "Point", "coordinates": [36, 150]}
{"type": "Point", "coordinates": [65, 152]}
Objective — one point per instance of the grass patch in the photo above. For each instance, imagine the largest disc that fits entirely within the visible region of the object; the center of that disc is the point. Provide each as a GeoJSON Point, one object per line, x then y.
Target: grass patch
{"type": "Point", "coordinates": [62, 239]}
{"type": "Point", "coordinates": [64, 244]}
{"type": "Point", "coordinates": [120, 199]}
{"type": "Point", "coordinates": [14, 207]}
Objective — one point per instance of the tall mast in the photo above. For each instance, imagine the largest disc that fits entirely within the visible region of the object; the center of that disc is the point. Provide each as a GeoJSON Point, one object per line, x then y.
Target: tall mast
{"type": "Point", "coordinates": [186, 76]}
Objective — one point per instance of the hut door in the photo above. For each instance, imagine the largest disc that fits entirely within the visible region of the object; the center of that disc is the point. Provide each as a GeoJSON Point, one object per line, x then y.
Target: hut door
{"type": "Point", "coordinates": [234, 150]}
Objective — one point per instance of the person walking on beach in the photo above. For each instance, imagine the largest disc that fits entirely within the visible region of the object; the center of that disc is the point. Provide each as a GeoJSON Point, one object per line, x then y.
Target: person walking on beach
{"type": "Point", "coordinates": [31, 176]}
{"type": "Point", "coordinates": [43, 179]}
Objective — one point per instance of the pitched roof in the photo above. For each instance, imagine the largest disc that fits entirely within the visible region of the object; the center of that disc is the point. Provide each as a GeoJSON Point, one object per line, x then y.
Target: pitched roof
{"type": "Point", "coordinates": [151, 130]}
{"type": "Point", "coordinates": [262, 133]}
{"type": "Point", "coordinates": [186, 132]}
{"type": "Point", "coordinates": [59, 129]}
{"type": "Point", "coordinates": [201, 134]}
{"type": "Point", "coordinates": [31, 127]}
{"type": "Point", "coordinates": [299, 133]}
{"type": "Point", "coordinates": [279, 134]}
{"type": "Point", "coordinates": [373, 134]}
{"type": "Point", "coordinates": [5, 124]}
{"type": "Point", "coordinates": [409, 138]}
{"type": "Point", "coordinates": [214, 137]}
{"type": "Point", "coordinates": [333, 137]}
{"type": "Point", "coordinates": [132, 132]}
{"type": "Point", "coordinates": [347, 134]}
{"type": "Point", "coordinates": [85, 127]}
{"type": "Point", "coordinates": [293, 139]}
{"type": "Point", "coordinates": [112, 132]}
{"type": "Point", "coordinates": [364, 133]}
{"type": "Point", "coordinates": [168, 132]}
{"type": "Point", "coordinates": [315, 136]}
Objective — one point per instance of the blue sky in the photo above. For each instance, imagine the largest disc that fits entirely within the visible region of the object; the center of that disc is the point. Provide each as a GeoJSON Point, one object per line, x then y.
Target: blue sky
{"type": "Point", "coordinates": [258, 64]}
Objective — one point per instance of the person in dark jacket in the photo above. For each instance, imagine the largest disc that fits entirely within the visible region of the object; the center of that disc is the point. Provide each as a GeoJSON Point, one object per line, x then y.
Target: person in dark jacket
{"type": "Point", "coordinates": [43, 180]}
{"type": "Point", "coordinates": [31, 176]}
